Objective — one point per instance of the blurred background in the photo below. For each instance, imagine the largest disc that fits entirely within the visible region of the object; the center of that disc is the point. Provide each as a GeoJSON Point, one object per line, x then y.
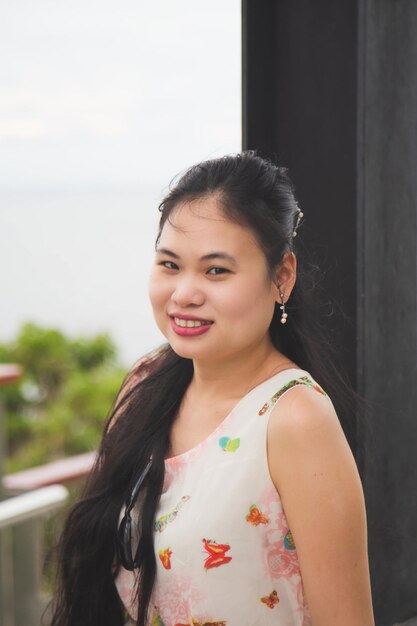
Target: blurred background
{"type": "Point", "coordinates": [101, 105]}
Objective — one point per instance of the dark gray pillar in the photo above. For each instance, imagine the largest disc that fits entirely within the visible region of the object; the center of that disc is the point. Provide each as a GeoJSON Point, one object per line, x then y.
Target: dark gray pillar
{"type": "Point", "coordinates": [330, 90]}
{"type": "Point", "coordinates": [388, 193]}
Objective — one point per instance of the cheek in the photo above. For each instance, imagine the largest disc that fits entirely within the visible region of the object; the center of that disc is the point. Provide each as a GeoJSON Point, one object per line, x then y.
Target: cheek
{"type": "Point", "coordinates": [156, 290]}
{"type": "Point", "coordinates": [246, 304]}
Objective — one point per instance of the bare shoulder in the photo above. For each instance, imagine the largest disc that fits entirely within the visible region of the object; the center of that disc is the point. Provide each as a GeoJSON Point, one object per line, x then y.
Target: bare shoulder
{"type": "Point", "coordinates": [303, 412]}
{"type": "Point", "coordinates": [315, 473]}
{"type": "Point", "coordinates": [305, 438]}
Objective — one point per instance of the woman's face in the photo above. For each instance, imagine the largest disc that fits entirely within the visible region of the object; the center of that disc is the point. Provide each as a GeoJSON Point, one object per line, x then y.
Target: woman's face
{"type": "Point", "coordinates": [233, 292]}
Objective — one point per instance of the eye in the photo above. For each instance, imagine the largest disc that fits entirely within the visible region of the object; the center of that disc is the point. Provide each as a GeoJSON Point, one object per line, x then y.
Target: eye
{"type": "Point", "coordinates": [222, 269]}
{"type": "Point", "coordinates": [163, 263]}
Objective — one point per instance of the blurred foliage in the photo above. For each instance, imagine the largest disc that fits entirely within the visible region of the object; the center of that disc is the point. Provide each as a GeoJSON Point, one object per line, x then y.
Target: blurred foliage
{"type": "Point", "coordinates": [59, 406]}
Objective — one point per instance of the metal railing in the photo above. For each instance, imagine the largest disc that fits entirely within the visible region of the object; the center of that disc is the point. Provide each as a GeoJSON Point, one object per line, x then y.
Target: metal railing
{"type": "Point", "coordinates": [21, 540]}
{"type": "Point", "coordinates": [22, 519]}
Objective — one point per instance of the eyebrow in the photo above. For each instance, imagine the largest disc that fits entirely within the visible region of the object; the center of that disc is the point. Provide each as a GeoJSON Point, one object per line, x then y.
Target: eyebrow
{"type": "Point", "coordinates": [206, 257]}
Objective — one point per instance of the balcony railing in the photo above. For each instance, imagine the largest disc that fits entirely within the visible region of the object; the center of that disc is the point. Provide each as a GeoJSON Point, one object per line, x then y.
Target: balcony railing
{"type": "Point", "coordinates": [40, 492]}
{"type": "Point", "coordinates": [21, 521]}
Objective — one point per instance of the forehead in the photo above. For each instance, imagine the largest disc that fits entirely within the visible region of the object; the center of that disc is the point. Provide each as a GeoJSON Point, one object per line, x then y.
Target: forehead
{"type": "Point", "coordinates": [203, 223]}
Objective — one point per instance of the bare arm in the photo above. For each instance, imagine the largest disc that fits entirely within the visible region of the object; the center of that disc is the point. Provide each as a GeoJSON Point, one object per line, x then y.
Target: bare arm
{"type": "Point", "coordinates": [315, 473]}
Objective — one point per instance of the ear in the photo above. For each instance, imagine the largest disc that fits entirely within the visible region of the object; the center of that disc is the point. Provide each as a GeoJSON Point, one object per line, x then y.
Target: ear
{"type": "Point", "coordinates": [285, 277]}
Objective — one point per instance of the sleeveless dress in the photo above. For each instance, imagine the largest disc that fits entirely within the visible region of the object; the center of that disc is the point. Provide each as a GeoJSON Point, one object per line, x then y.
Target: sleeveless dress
{"type": "Point", "coordinates": [225, 554]}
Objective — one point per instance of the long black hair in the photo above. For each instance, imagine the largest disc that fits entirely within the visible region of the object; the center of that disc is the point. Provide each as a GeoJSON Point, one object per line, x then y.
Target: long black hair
{"type": "Point", "coordinates": [253, 192]}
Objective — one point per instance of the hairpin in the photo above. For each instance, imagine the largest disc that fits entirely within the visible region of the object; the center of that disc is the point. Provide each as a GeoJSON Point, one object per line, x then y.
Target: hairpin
{"type": "Point", "coordinates": [299, 216]}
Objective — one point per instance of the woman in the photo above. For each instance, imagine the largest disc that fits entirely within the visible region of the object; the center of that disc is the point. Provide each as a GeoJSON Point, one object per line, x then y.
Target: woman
{"type": "Point", "coordinates": [225, 491]}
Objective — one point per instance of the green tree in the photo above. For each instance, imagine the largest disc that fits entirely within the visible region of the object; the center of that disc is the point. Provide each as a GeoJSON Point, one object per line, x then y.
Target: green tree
{"type": "Point", "coordinates": [59, 406]}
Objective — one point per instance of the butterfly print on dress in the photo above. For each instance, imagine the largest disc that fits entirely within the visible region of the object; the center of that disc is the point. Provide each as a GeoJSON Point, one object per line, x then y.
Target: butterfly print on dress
{"type": "Point", "coordinates": [216, 553]}
{"type": "Point", "coordinates": [271, 600]}
{"type": "Point", "coordinates": [255, 517]}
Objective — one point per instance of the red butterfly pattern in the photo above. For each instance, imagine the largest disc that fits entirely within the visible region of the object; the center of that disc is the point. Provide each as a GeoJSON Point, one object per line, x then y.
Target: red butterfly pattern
{"type": "Point", "coordinates": [216, 553]}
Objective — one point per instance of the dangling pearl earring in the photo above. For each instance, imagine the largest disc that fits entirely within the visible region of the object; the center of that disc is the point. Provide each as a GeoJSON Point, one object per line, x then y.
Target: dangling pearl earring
{"type": "Point", "coordinates": [282, 307]}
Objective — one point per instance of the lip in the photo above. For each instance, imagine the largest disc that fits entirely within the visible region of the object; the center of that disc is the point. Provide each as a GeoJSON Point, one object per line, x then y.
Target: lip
{"type": "Point", "coordinates": [183, 316]}
{"type": "Point", "coordinates": [189, 332]}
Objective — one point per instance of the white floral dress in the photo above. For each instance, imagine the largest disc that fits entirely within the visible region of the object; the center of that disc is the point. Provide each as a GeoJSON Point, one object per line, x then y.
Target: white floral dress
{"type": "Point", "coordinates": [225, 553]}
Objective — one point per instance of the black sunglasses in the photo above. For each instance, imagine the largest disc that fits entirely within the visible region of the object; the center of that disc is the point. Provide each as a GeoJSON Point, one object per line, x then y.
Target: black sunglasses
{"type": "Point", "coordinates": [124, 533]}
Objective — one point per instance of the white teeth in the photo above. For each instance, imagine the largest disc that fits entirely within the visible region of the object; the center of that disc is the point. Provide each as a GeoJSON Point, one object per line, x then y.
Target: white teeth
{"type": "Point", "coordinates": [189, 323]}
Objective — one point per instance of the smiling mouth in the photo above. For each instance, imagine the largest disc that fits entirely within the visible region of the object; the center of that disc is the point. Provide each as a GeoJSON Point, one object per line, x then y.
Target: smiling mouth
{"type": "Point", "coordinates": [190, 323]}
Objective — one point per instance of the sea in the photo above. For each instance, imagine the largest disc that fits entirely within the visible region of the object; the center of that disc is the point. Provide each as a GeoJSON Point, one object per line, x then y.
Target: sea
{"type": "Point", "coordinates": [79, 260]}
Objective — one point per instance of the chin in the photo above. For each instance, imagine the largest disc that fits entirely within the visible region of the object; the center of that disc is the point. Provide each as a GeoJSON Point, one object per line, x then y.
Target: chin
{"type": "Point", "coordinates": [189, 352]}
{"type": "Point", "coordinates": [184, 351]}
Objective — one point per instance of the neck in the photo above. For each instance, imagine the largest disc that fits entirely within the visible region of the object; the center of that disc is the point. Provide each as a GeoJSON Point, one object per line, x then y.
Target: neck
{"type": "Point", "coordinates": [234, 376]}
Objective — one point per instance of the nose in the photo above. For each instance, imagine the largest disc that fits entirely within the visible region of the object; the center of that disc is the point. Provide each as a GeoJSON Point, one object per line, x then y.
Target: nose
{"type": "Point", "coordinates": [187, 292]}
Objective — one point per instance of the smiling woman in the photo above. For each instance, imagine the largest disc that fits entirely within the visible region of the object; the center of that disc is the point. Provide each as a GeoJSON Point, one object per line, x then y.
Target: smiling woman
{"type": "Point", "coordinates": [239, 299]}
{"type": "Point", "coordinates": [225, 492]}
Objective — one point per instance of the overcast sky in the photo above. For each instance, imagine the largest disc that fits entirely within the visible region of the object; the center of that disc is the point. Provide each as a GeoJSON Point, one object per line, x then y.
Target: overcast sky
{"type": "Point", "coordinates": [101, 104]}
